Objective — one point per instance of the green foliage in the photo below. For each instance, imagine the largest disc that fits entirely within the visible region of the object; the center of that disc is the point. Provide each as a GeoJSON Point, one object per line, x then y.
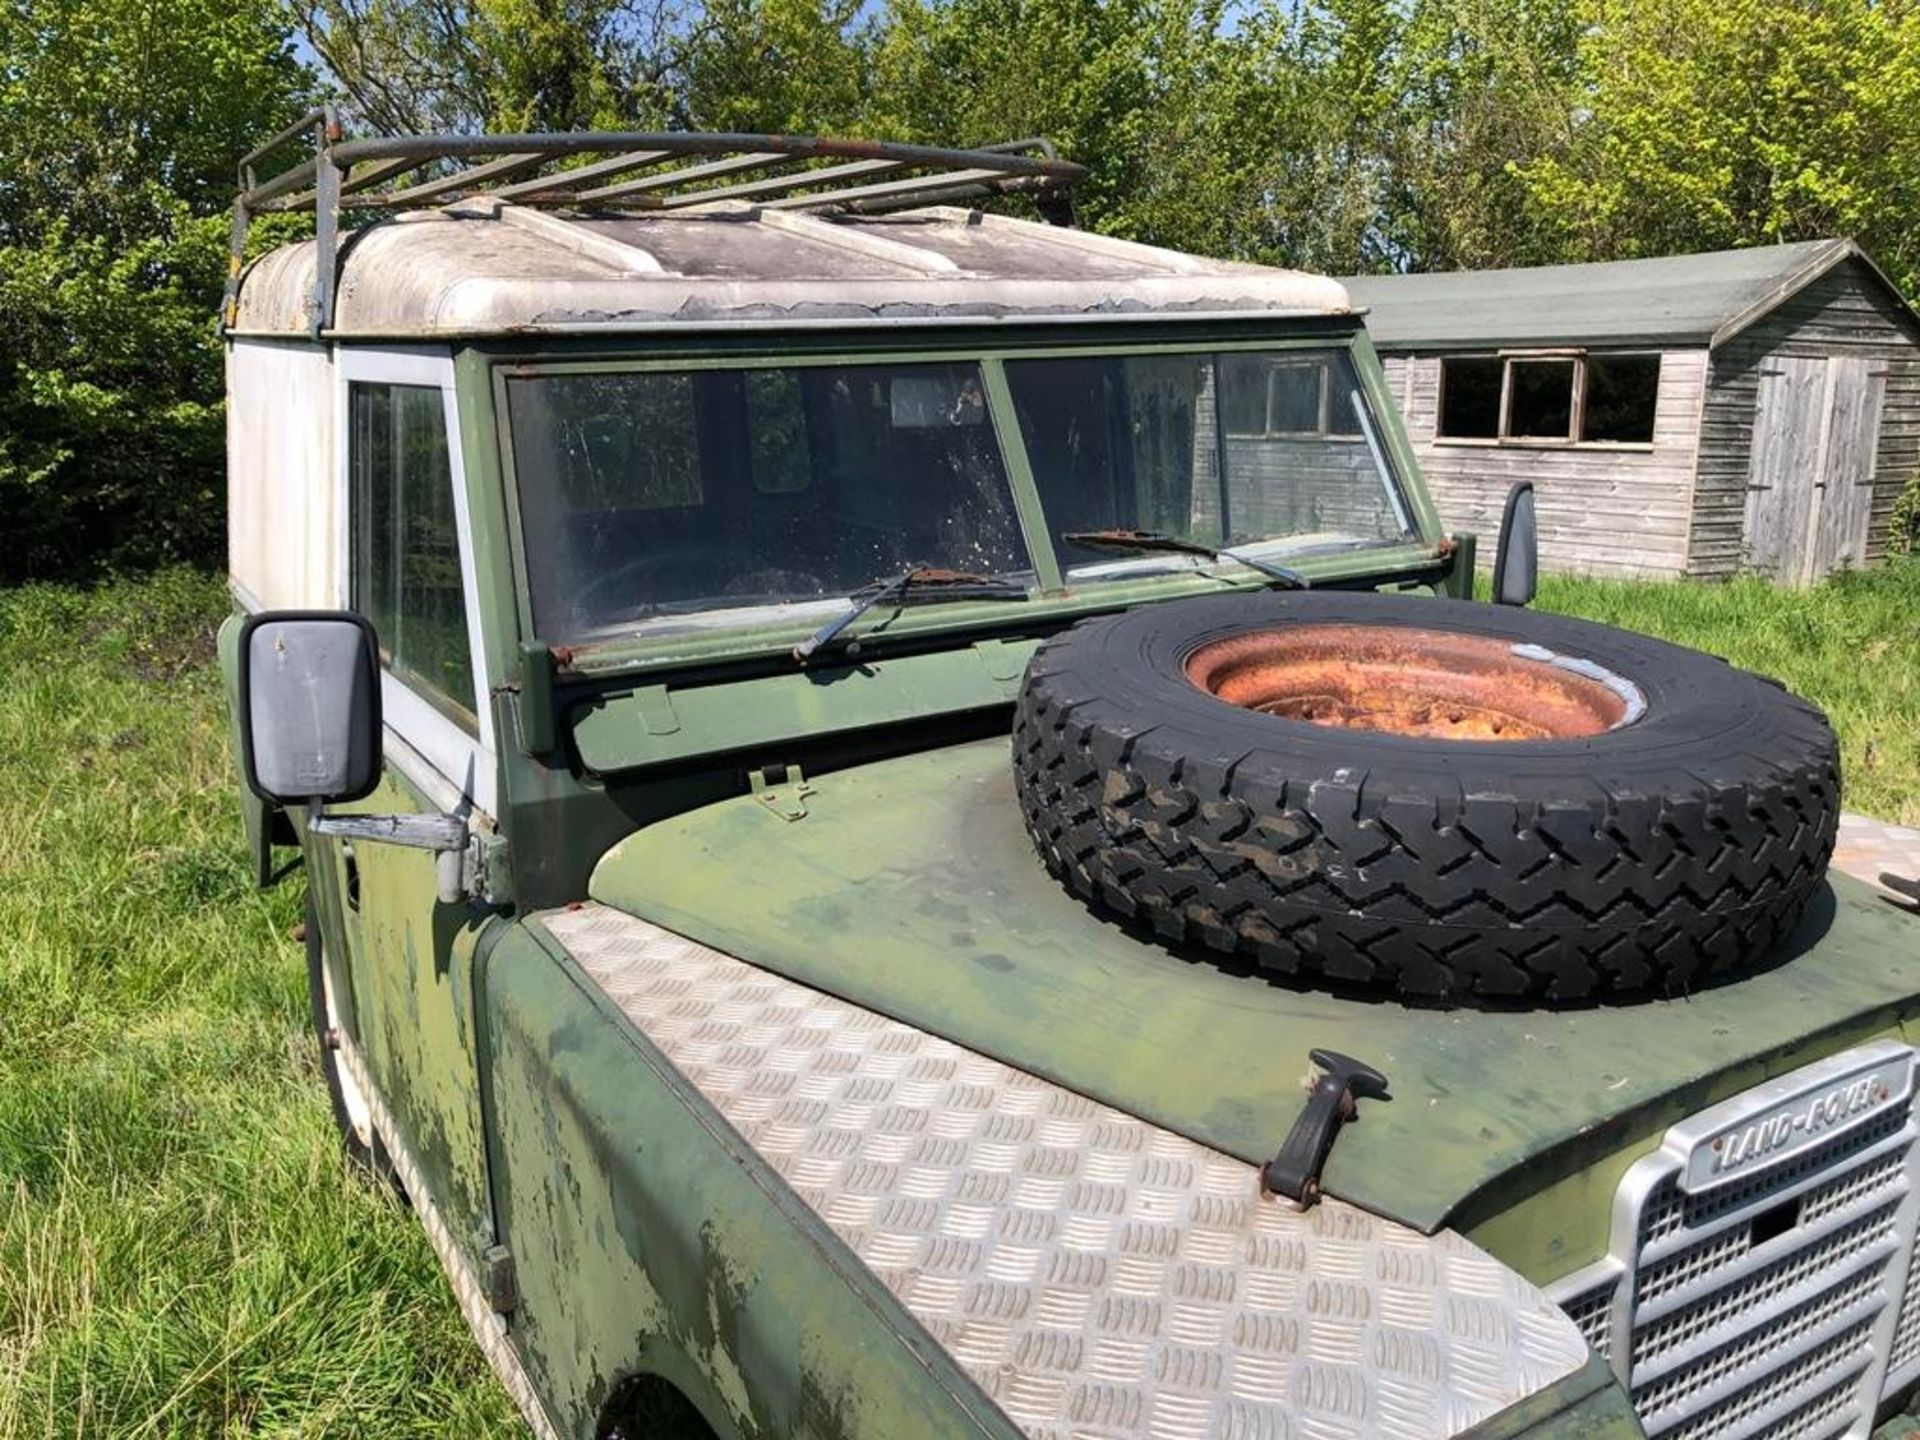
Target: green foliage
{"type": "Point", "coordinates": [797, 67]}
{"type": "Point", "coordinates": [112, 113]}
{"type": "Point", "coordinates": [183, 1251]}
{"type": "Point", "coordinates": [1850, 644]}
{"type": "Point", "coordinates": [1903, 529]}
{"type": "Point", "coordinates": [1704, 124]}
{"type": "Point", "coordinates": [488, 64]}
{"type": "Point", "coordinates": [110, 433]}
{"type": "Point", "coordinates": [1336, 135]}
{"type": "Point", "coordinates": [119, 129]}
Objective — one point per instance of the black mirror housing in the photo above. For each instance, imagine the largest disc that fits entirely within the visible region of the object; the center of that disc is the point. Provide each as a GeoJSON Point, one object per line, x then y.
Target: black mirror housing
{"type": "Point", "coordinates": [309, 702]}
{"type": "Point", "coordinates": [1516, 564]}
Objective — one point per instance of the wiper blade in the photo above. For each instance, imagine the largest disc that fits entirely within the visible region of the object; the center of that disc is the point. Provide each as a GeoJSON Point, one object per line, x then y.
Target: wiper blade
{"type": "Point", "coordinates": [925, 581]}
{"type": "Point", "coordinates": [1152, 540]}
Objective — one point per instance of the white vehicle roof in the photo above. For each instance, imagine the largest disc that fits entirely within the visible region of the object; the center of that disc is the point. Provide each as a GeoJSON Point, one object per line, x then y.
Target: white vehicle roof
{"type": "Point", "coordinates": [488, 266]}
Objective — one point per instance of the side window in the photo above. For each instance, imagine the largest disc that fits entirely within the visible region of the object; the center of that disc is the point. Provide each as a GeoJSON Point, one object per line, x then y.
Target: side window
{"type": "Point", "coordinates": [1540, 399]}
{"type": "Point", "coordinates": [1605, 399]}
{"type": "Point", "coordinates": [1470, 398]}
{"type": "Point", "coordinates": [406, 554]}
{"type": "Point", "coordinates": [1623, 394]}
{"type": "Point", "coordinates": [1262, 397]}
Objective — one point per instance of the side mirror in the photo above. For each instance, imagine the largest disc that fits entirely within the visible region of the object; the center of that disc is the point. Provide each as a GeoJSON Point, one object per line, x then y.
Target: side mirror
{"type": "Point", "coordinates": [1516, 564]}
{"type": "Point", "coordinates": [309, 701]}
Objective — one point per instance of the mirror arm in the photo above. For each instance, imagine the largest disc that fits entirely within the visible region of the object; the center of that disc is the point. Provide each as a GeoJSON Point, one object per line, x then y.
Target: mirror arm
{"type": "Point", "coordinates": [458, 863]}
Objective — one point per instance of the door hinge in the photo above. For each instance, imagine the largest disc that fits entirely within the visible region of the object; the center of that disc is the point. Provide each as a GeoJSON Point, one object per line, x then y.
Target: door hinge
{"type": "Point", "coordinates": [783, 789]}
{"type": "Point", "coordinates": [499, 1280]}
{"type": "Point", "coordinates": [468, 864]}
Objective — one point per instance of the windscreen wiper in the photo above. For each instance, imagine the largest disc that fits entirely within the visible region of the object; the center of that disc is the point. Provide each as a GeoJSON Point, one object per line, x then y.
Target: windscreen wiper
{"type": "Point", "coordinates": [916, 581]}
{"type": "Point", "coordinates": [1153, 540]}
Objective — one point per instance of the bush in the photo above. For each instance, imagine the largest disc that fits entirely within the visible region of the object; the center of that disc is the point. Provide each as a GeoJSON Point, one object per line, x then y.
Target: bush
{"type": "Point", "coordinates": [110, 421]}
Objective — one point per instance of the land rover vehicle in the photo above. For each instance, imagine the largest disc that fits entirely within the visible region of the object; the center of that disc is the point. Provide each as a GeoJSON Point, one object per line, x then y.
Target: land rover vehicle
{"type": "Point", "coordinates": [645, 546]}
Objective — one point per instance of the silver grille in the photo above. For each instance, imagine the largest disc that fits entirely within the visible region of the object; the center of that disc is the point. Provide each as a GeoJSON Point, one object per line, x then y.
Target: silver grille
{"type": "Point", "coordinates": [1757, 1282]}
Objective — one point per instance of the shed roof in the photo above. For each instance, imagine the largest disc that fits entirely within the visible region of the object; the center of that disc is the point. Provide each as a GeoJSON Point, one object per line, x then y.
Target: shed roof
{"type": "Point", "coordinates": [489, 266]}
{"type": "Point", "coordinates": [1674, 300]}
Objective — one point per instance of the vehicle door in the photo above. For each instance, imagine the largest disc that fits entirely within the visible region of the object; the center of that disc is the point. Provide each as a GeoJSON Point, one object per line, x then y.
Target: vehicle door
{"type": "Point", "coordinates": [405, 956]}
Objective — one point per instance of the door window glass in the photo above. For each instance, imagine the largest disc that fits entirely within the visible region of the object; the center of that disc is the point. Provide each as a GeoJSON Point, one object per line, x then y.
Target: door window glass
{"type": "Point", "coordinates": [406, 553]}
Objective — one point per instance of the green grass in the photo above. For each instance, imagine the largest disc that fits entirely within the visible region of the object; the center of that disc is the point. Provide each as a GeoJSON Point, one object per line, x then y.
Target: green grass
{"type": "Point", "coordinates": [1851, 645]}
{"type": "Point", "coordinates": [182, 1249]}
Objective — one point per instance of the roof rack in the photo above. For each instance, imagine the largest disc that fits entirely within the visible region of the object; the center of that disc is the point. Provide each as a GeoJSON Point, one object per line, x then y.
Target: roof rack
{"type": "Point", "coordinates": [635, 171]}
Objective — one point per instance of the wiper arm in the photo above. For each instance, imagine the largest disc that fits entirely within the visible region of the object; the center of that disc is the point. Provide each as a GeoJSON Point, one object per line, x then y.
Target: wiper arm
{"type": "Point", "coordinates": [1153, 540]}
{"type": "Point", "coordinates": [901, 589]}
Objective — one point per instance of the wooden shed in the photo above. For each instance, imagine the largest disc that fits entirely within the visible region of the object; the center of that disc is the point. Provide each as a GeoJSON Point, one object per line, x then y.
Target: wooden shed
{"type": "Point", "coordinates": [1692, 415]}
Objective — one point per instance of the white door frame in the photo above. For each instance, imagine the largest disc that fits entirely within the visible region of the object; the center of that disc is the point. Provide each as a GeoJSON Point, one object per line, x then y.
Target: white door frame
{"type": "Point", "coordinates": [457, 759]}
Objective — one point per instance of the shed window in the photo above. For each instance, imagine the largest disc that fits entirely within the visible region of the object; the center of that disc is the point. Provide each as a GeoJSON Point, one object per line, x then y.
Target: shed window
{"type": "Point", "coordinates": [1547, 399]}
{"type": "Point", "coordinates": [406, 553]}
{"type": "Point", "coordinates": [1540, 399]}
{"type": "Point", "coordinates": [1470, 398]}
{"type": "Point", "coordinates": [1267, 398]}
{"type": "Point", "coordinates": [1622, 393]}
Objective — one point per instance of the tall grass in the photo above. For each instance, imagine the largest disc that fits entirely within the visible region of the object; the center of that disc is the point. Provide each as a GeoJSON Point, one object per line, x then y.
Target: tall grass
{"type": "Point", "coordinates": [182, 1250]}
{"type": "Point", "coordinates": [1851, 645]}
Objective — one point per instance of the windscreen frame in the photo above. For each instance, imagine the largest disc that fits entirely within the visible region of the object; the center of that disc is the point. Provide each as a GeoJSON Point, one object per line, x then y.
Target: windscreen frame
{"type": "Point", "coordinates": [991, 349]}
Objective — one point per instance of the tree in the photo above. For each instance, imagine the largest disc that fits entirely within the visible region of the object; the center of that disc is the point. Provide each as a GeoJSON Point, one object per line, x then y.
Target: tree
{"type": "Point", "coordinates": [428, 65]}
{"type": "Point", "coordinates": [1136, 88]}
{"type": "Point", "coordinates": [778, 66]}
{"type": "Point", "coordinates": [1702, 124]}
{"type": "Point", "coordinates": [109, 112]}
{"type": "Point", "coordinates": [120, 126]}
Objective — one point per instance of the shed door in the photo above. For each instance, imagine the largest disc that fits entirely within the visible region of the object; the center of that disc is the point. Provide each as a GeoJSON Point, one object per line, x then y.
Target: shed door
{"type": "Point", "coordinates": [1844, 495]}
{"type": "Point", "coordinates": [1810, 482]}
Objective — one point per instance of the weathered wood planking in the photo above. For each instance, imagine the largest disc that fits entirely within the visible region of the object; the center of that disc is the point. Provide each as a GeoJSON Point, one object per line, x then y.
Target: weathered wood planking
{"type": "Point", "coordinates": [1604, 509]}
{"type": "Point", "coordinates": [1844, 313]}
{"type": "Point", "coordinates": [1686, 506]}
{"type": "Point", "coordinates": [1791, 408]}
{"type": "Point", "coordinates": [1844, 511]}
{"type": "Point", "coordinates": [1287, 485]}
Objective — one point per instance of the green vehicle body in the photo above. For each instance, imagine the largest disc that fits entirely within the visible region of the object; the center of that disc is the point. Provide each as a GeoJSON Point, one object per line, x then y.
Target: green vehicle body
{"type": "Point", "coordinates": [851, 826]}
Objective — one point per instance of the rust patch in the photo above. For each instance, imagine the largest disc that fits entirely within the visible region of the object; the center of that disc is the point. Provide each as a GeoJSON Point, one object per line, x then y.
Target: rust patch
{"type": "Point", "coordinates": [1403, 681]}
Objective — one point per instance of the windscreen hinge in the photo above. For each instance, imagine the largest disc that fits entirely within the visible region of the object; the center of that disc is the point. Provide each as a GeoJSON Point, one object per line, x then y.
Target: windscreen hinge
{"type": "Point", "coordinates": [783, 789]}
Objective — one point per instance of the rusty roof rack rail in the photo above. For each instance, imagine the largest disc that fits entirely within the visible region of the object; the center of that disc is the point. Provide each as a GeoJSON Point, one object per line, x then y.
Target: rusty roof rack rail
{"type": "Point", "coordinates": [635, 171]}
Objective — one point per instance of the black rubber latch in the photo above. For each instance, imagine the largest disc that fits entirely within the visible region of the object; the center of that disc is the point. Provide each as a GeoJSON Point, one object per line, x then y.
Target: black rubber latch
{"type": "Point", "coordinates": [1295, 1171]}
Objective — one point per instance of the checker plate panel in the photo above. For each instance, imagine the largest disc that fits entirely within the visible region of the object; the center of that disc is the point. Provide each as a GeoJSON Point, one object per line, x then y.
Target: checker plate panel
{"type": "Point", "coordinates": [1096, 1275]}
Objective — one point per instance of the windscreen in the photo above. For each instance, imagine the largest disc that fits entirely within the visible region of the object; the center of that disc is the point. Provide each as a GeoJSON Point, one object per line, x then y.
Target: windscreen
{"type": "Point", "coordinates": [650, 497]}
{"type": "Point", "coordinates": [1275, 451]}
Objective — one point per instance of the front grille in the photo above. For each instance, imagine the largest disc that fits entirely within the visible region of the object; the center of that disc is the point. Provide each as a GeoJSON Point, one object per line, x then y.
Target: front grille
{"type": "Point", "coordinates": [1775, 1302]}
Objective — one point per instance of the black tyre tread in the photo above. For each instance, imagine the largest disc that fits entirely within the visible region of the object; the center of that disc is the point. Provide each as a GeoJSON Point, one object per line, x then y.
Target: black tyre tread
{"type": "Point", "coordinates": [1378, 877]}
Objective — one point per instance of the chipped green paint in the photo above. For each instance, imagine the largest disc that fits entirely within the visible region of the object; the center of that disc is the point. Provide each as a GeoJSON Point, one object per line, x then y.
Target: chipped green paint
{"type": "Point", "coordinates": [410, 963]}
{"type": "Point", "coordinates": [651, 1239]}
{"type": "Point", "coordinates": [912, 889]}
{"type": "Point", "coordinates": [626, 729]}
{"type": "Point", "coordinates": [1586, 1406]}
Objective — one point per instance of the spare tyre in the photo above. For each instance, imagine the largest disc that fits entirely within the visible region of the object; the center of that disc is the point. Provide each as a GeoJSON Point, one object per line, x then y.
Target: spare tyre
{"type": "Point", "coordinates": [1445, 799]}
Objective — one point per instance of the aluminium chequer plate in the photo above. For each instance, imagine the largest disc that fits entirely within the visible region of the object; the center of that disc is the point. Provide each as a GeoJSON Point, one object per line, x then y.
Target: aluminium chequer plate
{"type": "Point", "coordinates": [1095, 1275]}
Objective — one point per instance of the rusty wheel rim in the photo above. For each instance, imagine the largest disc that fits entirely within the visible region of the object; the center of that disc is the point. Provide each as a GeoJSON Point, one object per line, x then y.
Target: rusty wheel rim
{"type": "Point", "coordinates": [1426, 684]}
